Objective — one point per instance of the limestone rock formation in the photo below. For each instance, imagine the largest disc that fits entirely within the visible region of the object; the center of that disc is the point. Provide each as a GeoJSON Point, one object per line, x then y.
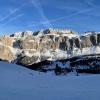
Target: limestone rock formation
{"type": "Point", "coordinates": [46, 44]}
{"type": "Point", "coordinates": [6, 43]}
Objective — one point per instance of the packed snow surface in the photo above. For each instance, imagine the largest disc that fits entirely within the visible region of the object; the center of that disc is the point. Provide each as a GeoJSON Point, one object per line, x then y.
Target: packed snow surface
{"type": "Point", "coordinates": [19, 83]}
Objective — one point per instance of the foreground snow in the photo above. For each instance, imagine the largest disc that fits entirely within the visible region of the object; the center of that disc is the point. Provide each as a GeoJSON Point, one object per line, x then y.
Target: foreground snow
{"type": "Point", "coordinates": [18, 83]}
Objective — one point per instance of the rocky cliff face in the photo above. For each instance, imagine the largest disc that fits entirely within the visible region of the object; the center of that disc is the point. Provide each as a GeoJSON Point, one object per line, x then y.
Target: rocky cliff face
{"type": "Point", "coordinates": [6, 43]}
{"type": "Point", "coordinates": [51, 44]}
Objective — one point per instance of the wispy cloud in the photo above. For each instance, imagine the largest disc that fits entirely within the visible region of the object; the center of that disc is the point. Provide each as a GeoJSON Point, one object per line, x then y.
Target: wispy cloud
{"type": "Point", "coordinates": [14, 18]}
{"type": "Point", "coordinates": [72, 15]}
{"type": "Point", "coordinates": [11, 13]}
{"type": "Point", "coordinates": [37, 5]}
{"type": "Point", "coordinates": [64, 17]}
{"type": "Point", "coordinates": [95, 12]}
{"type": "Point", "coordinates": [90, 3]}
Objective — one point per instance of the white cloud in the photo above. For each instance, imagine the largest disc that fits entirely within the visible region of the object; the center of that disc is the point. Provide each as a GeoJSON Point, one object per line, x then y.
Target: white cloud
{"type": "Point", "coordinates": [11, 13]}
{"type": "Point", "coordinates": [37, 5]}
{"type": "Point", "coordinates": [90, 3]}
{"type": "Point", "coordinates": [64, 17]}
{"type": "Point", "coordinates": [14, 18]}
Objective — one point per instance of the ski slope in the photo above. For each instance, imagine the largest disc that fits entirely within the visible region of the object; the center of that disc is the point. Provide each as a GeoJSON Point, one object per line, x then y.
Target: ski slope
{"type": "Point", "coordinates": [19, 83]}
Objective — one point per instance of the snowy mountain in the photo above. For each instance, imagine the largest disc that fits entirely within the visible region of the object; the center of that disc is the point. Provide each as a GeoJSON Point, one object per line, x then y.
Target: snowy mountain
{"type": "Point", "coordinates": [19, 83]}
{"type": "Point", "coordinates": [29, 47]}
{"type": "Point", "coordinates": [55, 52]}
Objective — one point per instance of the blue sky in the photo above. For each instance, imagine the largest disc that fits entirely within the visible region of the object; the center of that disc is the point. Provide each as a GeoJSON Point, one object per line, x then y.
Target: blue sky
{"type": "Point", "coordinates": [22, 15]}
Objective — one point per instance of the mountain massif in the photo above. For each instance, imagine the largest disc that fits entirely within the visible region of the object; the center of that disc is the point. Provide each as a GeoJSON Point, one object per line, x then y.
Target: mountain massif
{"type": "Point", "coordinates": [28, 48]}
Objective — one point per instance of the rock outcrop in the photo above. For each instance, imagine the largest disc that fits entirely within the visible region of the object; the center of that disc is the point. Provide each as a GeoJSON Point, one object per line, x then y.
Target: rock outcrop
{"type": "Point", "coordinates": [6, 43]}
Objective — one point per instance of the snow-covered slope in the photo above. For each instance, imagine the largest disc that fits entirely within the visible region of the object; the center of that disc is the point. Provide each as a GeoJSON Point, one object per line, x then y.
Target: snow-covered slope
{"type": "Point", "coordinates": [19, 83]}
